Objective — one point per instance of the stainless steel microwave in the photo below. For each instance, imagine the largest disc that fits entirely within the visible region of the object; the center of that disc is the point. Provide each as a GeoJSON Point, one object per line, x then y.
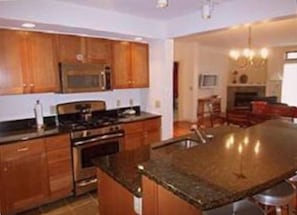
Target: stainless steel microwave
{"type": "Point", "coordinates": [76, 78]}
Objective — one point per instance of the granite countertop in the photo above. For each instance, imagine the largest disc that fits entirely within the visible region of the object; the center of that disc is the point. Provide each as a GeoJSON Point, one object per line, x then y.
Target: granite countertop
{"type": "Point", "coordinates": [26, 134]}
{"type": "Point", "coordinates": [26, 131]}
{"type": "Point", "coordinates": [235, 164]}
{"type": "Point", "coordinates": [138, 117]}
{"type": "Point", "coordinates": [232, 167]}
{"type": "Point", "coordinates": [122, 166]}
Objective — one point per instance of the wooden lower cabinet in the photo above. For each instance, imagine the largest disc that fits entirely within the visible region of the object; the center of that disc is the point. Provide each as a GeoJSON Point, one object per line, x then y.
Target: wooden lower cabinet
{"type": "Point", "coordinates": [159, 201]}
{"type": "Point", "coordinates": [113, 198]}
{"type": "Point", "coordinates": [34, 172]}
{"type": "Point", "coordinates": [24, 179]}
{"type": "Point", "coordinates": [142, 132]}
{"type": "Point", "coordinates": [59, 166]}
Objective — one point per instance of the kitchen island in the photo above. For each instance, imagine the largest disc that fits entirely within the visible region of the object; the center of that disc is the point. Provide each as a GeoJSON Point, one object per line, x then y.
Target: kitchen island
{"type": "Point", "coordinates": [235, 164]}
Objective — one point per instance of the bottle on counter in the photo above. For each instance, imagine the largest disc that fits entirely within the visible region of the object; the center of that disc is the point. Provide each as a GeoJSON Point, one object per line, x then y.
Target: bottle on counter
{"type": "Point", "coordinates": [38, 115]}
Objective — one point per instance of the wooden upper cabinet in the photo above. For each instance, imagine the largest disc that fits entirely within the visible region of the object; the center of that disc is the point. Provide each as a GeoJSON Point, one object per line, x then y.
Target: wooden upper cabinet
{"type": "Point", "coordinates": [71, 49]}
{"type": "Point", "coordinates": [98, 51]}
{"type": "Point", "coordinates": [130, 65]}
{"type": "Point", "coordinates": [75, 49]}
{"type": "Point", "coordinates": [27, 62]}
{"type": "Point", "coordinates": [11, 77]}
{"type": "Point", "coordinates": [121, 64]}
{"type": "Point", "coordinates": [41, 69]}
{"type": "Point", "coordinates": [139, 65]}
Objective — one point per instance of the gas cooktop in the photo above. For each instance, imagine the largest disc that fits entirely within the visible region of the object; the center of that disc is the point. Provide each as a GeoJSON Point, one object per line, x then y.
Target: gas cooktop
{"type": "Point", "coordinates": [78, 124]}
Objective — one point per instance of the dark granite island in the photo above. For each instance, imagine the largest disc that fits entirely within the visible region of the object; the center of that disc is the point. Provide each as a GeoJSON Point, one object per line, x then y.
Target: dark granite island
{"type": "Point", "coordinates": [234, 165]}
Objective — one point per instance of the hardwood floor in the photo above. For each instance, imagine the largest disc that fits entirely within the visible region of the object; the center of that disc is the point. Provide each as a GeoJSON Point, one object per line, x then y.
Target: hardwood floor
{"type": "Point", "coordinates": [183, 127]}
{"type": "Point", "coordinates": [86, 204]}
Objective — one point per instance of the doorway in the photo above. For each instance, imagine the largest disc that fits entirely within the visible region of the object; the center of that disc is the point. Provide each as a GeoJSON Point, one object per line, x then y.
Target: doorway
{"type": "Point", "coordinates": [175, 90]}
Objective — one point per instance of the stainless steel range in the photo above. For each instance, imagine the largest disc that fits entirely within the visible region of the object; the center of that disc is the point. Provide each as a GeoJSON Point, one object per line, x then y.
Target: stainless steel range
{"type": "Point", "coordinates": [94, 132]}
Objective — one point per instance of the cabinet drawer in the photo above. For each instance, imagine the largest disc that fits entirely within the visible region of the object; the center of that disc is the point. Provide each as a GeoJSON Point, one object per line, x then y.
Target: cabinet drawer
{"type": "Point", "coordinates": [133, 127]}
{"type": "Point", "coordinates": [57, 142]}
{"type": "Point", "coordinates": [20, 149]}
{"type": "Point", "coordinates": [152, 124]}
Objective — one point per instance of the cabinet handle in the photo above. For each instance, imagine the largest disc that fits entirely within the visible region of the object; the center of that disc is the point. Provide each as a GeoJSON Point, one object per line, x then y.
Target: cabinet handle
{"type": "Point", "coordinates": [31, 85]}
{"type": "Point", "coordinates": [23, 149]}
{"type": "Point", "coordinates": [5, 169]}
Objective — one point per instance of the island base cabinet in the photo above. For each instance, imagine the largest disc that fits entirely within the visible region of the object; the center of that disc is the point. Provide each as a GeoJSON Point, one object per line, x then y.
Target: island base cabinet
{"type": "Point", "coordinates": [113, 198]}
{"type": "Point", "coordinates": [159, 201]}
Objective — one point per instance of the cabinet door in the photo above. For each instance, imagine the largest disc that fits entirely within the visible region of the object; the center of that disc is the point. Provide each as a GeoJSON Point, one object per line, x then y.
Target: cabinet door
{"type": "Point", "coordinates": [59, 166]}
{"type": "Point", "coordinates": [71, 49]}
{"type": "Point", "coordinates": [139, 65]}
{"type": "Point", "coordinates": [24, 182]}
{"type": "Point", "coordinates": [152, 131]}
{"type": "Point", "coordinates": [133, 135]}
{"type": "Point", "coordinates": [42, 67]}
{"type": "Point", "coordinates": [99, 51]}
{"type": "Point", "coordinates": [11, 78]}
{"type": "Point", "coordinates": [133, 141]}
{"type": "Point", "coordinates": [121, 65]}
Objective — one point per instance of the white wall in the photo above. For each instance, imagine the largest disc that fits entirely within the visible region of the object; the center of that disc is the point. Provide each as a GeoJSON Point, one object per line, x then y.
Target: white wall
{"type": "Point", "coordinates": [195, 59]}
{"type": "Point", "coordinates": [186, 54]}
{"type": "Point", "coordinates": [161, 79]}
{"type": "Point", "coordinates": [21, 106]}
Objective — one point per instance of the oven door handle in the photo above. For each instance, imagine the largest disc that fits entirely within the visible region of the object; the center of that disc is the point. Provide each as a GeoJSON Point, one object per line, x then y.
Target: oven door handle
{"type": "Point", "coordinates": [103, 137]}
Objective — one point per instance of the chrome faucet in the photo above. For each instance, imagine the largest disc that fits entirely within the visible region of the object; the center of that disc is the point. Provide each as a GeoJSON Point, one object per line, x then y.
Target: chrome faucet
{"type": "Point", "coordinates": [198, 133]}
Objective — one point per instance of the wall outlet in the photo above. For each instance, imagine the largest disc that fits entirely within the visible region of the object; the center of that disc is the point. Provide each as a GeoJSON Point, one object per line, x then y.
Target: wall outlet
{"type": "Point", "coordinates": [157, 104]}
{"type": "Point", "coordinates": [131, 102]}
{"type": "Point", "coordinates": [118, 103]}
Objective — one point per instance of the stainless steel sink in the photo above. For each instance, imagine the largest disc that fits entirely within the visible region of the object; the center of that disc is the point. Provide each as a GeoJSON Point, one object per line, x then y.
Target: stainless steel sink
{"type": "Point", "coordinates": [187, 143]}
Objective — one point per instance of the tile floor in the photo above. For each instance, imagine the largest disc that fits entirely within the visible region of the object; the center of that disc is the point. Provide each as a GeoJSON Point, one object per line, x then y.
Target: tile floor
{"type": "Point", "coordinates": [86, 204]}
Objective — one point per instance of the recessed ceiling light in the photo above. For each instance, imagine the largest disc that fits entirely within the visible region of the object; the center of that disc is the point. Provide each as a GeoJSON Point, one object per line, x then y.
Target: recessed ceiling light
{"type": "Point", "coordinates": [162, 3]}
{"type": "Point", "coordinates": [138, 38]}
{"type": "Point", "coordinates": [28, 25]}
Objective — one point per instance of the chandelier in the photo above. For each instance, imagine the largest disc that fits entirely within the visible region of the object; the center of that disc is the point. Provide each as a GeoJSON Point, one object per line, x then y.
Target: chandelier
{"type": "Point", "coordinates": [248, 52]}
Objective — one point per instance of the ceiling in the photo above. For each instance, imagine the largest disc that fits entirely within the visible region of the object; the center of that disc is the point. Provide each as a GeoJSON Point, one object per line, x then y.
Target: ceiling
{"type": "Point", "coordinates": [147, 8]}
{"type": "Point", "coordinates": [268, 34]}
{"type": "Point", "coordinates": [265, 34]}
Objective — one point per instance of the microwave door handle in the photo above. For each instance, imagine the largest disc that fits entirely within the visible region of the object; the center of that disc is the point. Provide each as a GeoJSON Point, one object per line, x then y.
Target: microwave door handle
{"type": "Point", "coordinates": [103, 80]}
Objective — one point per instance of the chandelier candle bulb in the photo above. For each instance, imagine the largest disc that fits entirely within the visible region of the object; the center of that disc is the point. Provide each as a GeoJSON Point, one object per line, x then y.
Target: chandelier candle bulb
{"type": "Point", "coordinates": [249, 53]}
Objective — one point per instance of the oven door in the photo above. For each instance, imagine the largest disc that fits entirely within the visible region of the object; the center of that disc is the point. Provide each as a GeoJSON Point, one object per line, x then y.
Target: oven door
{"type": "Point", "coordinates": [84, 153]}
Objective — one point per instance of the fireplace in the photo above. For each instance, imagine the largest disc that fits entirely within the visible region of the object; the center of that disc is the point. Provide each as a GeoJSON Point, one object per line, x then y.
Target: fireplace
{"type": "Point", "coordinates": [242, 100]}
{"type": "Point", "coordinates": [239, 97]}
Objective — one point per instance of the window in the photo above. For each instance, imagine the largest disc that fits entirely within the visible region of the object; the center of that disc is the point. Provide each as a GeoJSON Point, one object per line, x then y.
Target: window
{"type": "Point", "coordinates": [291, 55]}
{"type": "Point", "coordinates": [289, 85]}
